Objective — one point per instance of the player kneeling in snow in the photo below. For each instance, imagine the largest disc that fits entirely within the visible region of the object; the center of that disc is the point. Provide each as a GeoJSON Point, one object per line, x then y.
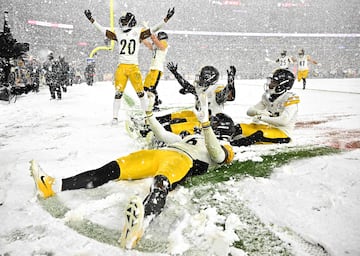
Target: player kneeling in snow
{"type": "Point", "coordinates": [274, 116]}
{"type": "Point", "coordinates": [192, 155]}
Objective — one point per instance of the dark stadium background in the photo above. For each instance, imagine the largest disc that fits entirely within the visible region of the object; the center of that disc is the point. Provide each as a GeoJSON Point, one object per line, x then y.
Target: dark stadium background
{"type": "Point", "coordinates": [336, 23]}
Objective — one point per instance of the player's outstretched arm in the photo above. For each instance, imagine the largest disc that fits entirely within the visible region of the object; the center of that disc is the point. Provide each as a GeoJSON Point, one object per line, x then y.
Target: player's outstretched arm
{"type": "Point", "coordinates": [158, 130]}
{"type": "Point", "coordinates": [186, 86]}
{"type": "Point", "coordinates": [109, 34]}
{"type": "Point", "coordinates": [214, 148]}
{"type": "Point", "coordinates": [146, 33]}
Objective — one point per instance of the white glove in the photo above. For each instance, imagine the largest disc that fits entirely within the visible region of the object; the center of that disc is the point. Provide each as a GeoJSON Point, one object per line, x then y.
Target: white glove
{"type": "Point", "coordinates": [203, 112]}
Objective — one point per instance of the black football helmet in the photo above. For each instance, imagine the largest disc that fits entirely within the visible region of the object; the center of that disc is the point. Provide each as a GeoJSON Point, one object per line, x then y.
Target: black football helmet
{"type": "Point", "coordinates": [283, 53]}
{"type": "Point", "coordinates": [280, 81]}
{"type": "Point", "coordinates": [162, 35]}
{"type": "Point", "coordinates": [208, 76]}
{"type": "Point", "coordinates": [127, 21]}
{"type": "Point", "coordinates": [223, 126]}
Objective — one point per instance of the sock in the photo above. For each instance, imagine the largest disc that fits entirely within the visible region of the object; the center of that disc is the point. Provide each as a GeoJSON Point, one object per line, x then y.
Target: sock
{"type": "Point", "coordinates": [57, 185]}
{"type": "Point", "coordinates": [116, 107]}
{"type": "Point", "coordinates": [144, 102]}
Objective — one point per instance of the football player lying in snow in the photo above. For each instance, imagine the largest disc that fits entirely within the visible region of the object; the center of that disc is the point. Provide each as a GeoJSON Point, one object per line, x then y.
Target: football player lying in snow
{"type": "Point", "coordinates": [169, 166]}
{"type": "Point", "coordinates": [205, 81]}
{"type": "Point", "coordinates": [274, 115]}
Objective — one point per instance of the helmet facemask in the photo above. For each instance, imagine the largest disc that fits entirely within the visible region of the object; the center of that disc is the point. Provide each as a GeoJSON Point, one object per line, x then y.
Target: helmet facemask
{"type": "Point", "coordinates": [208, 76]}
{"type": "Point", "coordinates": [279, 82]}
{"type": "Point", "coordinates": [273, 87]}
{"type": "Point", "coordinates": [223, 126]}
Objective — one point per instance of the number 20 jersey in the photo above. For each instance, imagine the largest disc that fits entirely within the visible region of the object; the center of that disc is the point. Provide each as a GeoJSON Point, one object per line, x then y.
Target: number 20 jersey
{"type": "Point", "coordinates": [129, 44]}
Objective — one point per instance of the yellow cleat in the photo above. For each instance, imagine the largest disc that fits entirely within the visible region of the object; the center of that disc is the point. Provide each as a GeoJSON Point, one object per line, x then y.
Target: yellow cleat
{"type": "Point", "coordinates": [43, 181]}
{"type": "Point", "coordinates": [134, 224]}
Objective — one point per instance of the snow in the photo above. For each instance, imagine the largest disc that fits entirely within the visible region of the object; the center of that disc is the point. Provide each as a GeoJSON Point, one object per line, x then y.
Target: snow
{"type": "Point", "coordinates": [306, 203]}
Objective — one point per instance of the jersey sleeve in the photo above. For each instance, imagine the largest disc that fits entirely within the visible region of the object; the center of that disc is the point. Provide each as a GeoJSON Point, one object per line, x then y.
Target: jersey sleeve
{"type": "Point", "coordinates": [291, 109]}
{"type": "Point", "coordinates": [188, 88]}
{"type": "Point", "coordinates": [100, 28]}
{"type": "Point", "coordinates": [157, 27]}
{"type": "Point", "coordinates": [257, 109]}
{"type": "Point", "coordinates": [216, 151]}
{"type": "Point", "coordinates": [160, 132]}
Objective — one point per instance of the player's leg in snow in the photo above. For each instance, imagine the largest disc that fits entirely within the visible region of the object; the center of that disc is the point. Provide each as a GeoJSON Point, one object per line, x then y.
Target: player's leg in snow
{"type": "Point", "coordinates": [139, 214]}
{"type": "Point", "coordinates": [43, 181]}
{"type": "Point", "coordinates": [304, 83]}
{"type": "Point", "coordinates": [116, 107]}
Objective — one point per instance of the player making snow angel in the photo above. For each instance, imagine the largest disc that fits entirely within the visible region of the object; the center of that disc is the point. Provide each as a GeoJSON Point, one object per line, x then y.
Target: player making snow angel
{"type": "Point", "coordinates": [205, 82]}
{"type": "Point", "coordinates": [169, 166]}
{"type": "Point", "coordinates": [128, 37]}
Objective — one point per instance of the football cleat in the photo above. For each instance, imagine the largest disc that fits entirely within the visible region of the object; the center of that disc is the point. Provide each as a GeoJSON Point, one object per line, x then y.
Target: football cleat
{"type": "Point", "coordinates": [134, 224]}
{"type": "Point", "coordinates": [114, 121]}
{"type": "Point", "coordinates": [43, 181]}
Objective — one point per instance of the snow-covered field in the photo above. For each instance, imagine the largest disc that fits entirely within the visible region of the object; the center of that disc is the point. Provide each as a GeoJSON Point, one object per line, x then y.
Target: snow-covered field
{"type": "Point", "coordinates": [308, 207]}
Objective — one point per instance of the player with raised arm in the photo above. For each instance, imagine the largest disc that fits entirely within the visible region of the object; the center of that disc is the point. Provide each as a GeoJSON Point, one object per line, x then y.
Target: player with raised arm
{"type": "Point", "coordinates": [169, 166]}
{"type": "Point", "coordinates": [205, 82]}
{"type": "Point", "coordinates": [159, 48]}
{"type": "Point", "coordinates": [128, 37]}
{"type": "Point", "coordinates": [303, 67]}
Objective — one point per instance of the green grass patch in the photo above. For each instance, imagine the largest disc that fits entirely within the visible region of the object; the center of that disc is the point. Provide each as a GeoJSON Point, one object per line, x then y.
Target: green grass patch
{"type": "Point", "coordinates": [128, 100]}
{"type": "Point", "coordinates": [258, 168]}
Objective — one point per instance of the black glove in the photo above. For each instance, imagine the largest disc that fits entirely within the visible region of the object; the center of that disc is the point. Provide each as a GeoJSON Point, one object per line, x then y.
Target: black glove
{"type": "Point", "coordinates": [88, 14]}
{"type": "Point", "coordinates": [232, 71]}
{"type": "Point", "coordinates": [172, 67]}
{"type": "Point", "coordinates": [183, 91]}
{"type": "Point", "coordinates": [169, 14]}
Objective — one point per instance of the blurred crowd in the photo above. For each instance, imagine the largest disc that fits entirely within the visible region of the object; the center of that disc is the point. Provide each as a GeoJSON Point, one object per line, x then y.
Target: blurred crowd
{"type": "Point", "coordinates": [338, 55]}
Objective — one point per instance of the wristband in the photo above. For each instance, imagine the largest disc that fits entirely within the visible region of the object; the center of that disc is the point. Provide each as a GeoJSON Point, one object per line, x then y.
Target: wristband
{"type": "Point", "coordinates": [149, 113]}
{"type": "Point", "coordinates": [205, 124]}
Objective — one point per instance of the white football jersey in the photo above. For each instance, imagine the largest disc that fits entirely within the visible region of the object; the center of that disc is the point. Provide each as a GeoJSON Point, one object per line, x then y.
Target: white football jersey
{"type": "Point", "coordinates": [284, 62]}
{"type": "Point", "coordinates": [280, 113]}
{"type": "Point", "coordinates": [302, 63]}
{"type": "Point", "coordinates": [159, 57]}
{"type": "Point", "coordinates": [214, 107]}
{"type": "Point", "coordinates": [128, 45]}
{"type": "Point", "coordinates": [203, 147]}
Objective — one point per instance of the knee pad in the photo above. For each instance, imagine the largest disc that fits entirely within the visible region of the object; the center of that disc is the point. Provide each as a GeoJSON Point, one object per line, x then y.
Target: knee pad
{"type": "Point", "coordinates": [118, 95]}
{"type": "Point", "coordinates": [140, 94]}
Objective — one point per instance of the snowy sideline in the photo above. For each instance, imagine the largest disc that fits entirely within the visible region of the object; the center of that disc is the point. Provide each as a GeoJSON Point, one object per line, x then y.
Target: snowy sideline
{"type": "Point", "coordinates": [317, 199]}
